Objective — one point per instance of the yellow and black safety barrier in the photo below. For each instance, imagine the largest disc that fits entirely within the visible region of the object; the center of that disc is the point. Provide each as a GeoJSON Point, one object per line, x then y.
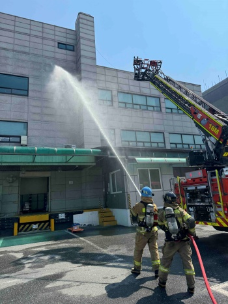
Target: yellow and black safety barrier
{"type": "Point", "coordinates": [34, 222]}
{"type": "Point", "coordinates": [26, 227]}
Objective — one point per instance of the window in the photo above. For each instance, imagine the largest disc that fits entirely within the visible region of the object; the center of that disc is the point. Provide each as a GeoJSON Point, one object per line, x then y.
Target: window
{"type": "Point", "coordinates": [64, 46]}
{"type": "Point", "coordinates": [14, 85]}
{"type": "Point", "coordinates": [11, 132]}
{"type": "Point", "coordinates": [111, 137]}
{"type": "Point", "coordinates": [171, 107]}
{"type": "Point", "coordinates": [150, 178]}
{"type": "Point", "coordinates": [142, 139]}
{"type": "Point", "coordinates": [115, 182]}
{"type": "Point", "coordinates": [186, 141]}
{"type": "Point", "coordinates": [11, 139]}
{"type": "Point", "coordinates": [139, 102]}
{"type": "Point", "coordinates": [105, 97]}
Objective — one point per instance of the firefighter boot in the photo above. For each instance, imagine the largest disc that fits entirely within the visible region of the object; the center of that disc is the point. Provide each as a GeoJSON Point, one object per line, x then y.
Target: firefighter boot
{"type": "Point", "coordinates": [135, 271]}
{"type": "Point", "coordinates": [156, 274]}
{"type": "Point", "coordinates": [191, 290]}
{"type": "Point", "coordinates": [161, 284]}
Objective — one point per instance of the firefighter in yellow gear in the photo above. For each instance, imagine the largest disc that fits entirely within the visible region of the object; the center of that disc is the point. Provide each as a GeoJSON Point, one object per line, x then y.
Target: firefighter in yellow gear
{"type": "Point", "coordinates": [146, 214]}
{"type": "Point", "coordinates": [177, 224]}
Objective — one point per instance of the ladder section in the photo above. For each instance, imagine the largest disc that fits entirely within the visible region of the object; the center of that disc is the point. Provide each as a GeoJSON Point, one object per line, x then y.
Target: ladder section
{"type": "Point", "coordinates": [212, 123]}
{"type": "Point", "coordinates": [106, 217]}
{"type": "Point", "coordinates": [183, 98]}
{"type": "Point", "coordinates": [196, 98]}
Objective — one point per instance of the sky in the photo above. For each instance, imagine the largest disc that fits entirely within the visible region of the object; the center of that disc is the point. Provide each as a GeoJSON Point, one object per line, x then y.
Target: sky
{"type": "Point", "coordinates": [189, 36]}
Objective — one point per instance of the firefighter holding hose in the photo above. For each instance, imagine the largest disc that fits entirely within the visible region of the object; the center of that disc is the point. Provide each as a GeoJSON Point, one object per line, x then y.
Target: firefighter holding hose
{"type": "Point", "coordinates": [145, 213]}
{"type": "Point", "coordinates": [177, 225]}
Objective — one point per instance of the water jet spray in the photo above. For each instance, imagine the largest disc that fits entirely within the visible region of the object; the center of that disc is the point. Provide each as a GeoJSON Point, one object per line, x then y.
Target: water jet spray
{"type": "Point", "coordinates": [77, 86]}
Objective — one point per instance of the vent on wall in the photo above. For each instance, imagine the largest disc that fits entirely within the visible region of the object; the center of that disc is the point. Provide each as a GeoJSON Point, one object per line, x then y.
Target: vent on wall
{"type": "Point", "coordinates": [24, 140]}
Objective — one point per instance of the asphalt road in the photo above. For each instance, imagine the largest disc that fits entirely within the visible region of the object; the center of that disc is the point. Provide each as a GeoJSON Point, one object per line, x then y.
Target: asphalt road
{"type": "Point", "coordinates": [94, 267]}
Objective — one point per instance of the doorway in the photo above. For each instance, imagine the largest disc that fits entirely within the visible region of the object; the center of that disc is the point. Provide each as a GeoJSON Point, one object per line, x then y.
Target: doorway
{"type": "Point", "coordinates": [34, 194]}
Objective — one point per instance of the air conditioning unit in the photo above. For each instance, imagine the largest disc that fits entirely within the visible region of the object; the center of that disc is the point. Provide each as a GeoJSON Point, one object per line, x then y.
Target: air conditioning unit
{"type": "Point", "coordinates": [70, 146]}
{"type": "Point", "coordinates": [24, 140]}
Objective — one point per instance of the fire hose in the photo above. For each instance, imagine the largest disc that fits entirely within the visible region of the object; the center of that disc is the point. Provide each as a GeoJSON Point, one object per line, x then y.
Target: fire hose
{"type": "Point", "coordinates": [203, 270]}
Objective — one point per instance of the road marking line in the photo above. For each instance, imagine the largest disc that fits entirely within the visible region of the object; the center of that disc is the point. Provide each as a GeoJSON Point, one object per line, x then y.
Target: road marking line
{"type": "Point", "coordinates": [220, 288]}
{"type": "Point", "coordinates": [97, 247]}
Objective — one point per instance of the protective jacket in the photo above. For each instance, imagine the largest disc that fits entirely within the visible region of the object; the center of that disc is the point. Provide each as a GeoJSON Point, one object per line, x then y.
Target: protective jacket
{"type": "Point", "coordinates": [143, 237]}
{"type": "Point", "coordinates": [186, 225]}
{"type": "Point", "coordinates": [185, 222]}
{"type": "Point", "coordinates": [139, 211]}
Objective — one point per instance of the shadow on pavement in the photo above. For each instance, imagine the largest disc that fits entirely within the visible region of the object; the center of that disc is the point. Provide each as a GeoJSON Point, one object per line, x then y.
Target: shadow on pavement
{"type": "Point", "coordinates": [160, 296]}
{"type": "Point", "coordinates": [127, 287]}
{"type": "Point", "coordinates": [132, 284]}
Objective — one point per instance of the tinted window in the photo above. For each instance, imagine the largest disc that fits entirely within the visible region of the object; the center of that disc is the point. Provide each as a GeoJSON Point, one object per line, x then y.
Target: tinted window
{"type": "Point", "coordinates": [123, 97]}
{"type": "Point", "coordinates": [139, 102]}
{"type": "Point", "coordinates": [8, 128]}
{"type": "Point", "coordinates": [64, 46]}
{"type": "Point", "coordinates": [186, 141]}
{"type": "Point", "coordinates": [61, 46]}
{"type": "Point", "coordinates": [142, 139]}
{"type": "Point", "coordinates": [16, 85]}
{"type": "Point", "coordinates": [69, 47]}
{"type": "Point", "coordinates": [104, 95]}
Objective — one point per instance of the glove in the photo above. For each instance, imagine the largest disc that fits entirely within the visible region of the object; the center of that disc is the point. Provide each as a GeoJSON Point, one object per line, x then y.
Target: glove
{"type": "Point", "coordinates": [182, 234]}
{"type": "Point", "coordinates": [168, 236]}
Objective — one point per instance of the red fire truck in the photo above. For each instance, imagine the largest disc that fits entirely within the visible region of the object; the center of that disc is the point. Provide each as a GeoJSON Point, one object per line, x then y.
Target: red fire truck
{"type": "Point", "coordinates": [203, 193]}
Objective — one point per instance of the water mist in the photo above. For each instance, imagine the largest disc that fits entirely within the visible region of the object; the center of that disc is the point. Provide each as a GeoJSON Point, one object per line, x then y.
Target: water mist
{"type": "Point", "coordinates": [60, 76]}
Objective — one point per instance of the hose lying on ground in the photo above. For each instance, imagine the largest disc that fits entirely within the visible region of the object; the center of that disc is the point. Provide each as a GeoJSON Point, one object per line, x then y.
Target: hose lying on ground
{"type": "Point", "coordinates": [203, 270]}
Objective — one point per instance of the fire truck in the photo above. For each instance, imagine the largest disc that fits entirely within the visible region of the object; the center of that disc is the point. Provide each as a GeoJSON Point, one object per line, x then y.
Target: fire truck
{"type": "Point", "coordinates": [203, 193]}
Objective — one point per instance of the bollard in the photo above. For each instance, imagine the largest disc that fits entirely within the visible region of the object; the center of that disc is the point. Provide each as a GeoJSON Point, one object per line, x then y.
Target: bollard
{"type": "Point", "coordinates": [15, 228]}
{"type": "Point", "coordinates": [52, 224]}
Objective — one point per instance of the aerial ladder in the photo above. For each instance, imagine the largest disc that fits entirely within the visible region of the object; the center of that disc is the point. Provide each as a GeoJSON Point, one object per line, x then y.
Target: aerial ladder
{"type": "Point", "coordinates": [212, 122]}
{"type": "Point", "coordinates": [203, 192]}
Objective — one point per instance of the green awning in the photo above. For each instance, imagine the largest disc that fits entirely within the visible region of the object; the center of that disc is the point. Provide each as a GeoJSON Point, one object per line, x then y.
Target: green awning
{"type": "Point", "coordinates": [161, 160]}
{"type": "Point", "coordinates": [53, 156]}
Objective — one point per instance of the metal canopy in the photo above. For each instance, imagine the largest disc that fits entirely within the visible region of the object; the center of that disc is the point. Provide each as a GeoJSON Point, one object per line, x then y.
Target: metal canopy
{"type": "Point", "coordinates": [53, 156]}
{"type": "Point", "coordinates": [161, 160]}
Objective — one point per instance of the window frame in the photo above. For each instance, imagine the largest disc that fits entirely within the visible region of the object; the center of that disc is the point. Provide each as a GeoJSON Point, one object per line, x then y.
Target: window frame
{"type": "Point", "coordinates": [13, 136]}
{"type": "Point", "coordinates": [110, 180]}
{"type": "Point", "coordinates": [148, 144]}
{"type": "Point", "coordinates": [104, 101]}
{"type": "Point", "coordinates": [183, 145]}
{"type": "Point", "coordinates": [12, 89]}
{"type": "Point", "coordinates": [138, 106]}
{"type": "Point", "coordinates": [10, 141]}
{"type": "Point", "coordinates": [65, 46]}
{"type": "Point", "coordinates": [160, 180]}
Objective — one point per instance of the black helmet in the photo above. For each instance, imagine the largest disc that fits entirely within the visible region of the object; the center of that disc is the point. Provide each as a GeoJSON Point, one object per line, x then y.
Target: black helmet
{"type": "Point", "coordinates": [170, 197]}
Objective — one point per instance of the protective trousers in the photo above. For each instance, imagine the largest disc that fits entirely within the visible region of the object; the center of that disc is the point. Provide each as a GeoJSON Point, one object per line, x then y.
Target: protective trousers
{"type": "Point", "coordinates": [185, 251]}
{"type": "Point", "coordinates": [141, 240]}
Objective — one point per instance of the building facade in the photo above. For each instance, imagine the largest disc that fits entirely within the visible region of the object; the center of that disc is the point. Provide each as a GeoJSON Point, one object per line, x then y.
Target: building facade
{"type": "Point", "coordinates": [58, 107]}
{"type": "Point", "coordinates": [218, 95]}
